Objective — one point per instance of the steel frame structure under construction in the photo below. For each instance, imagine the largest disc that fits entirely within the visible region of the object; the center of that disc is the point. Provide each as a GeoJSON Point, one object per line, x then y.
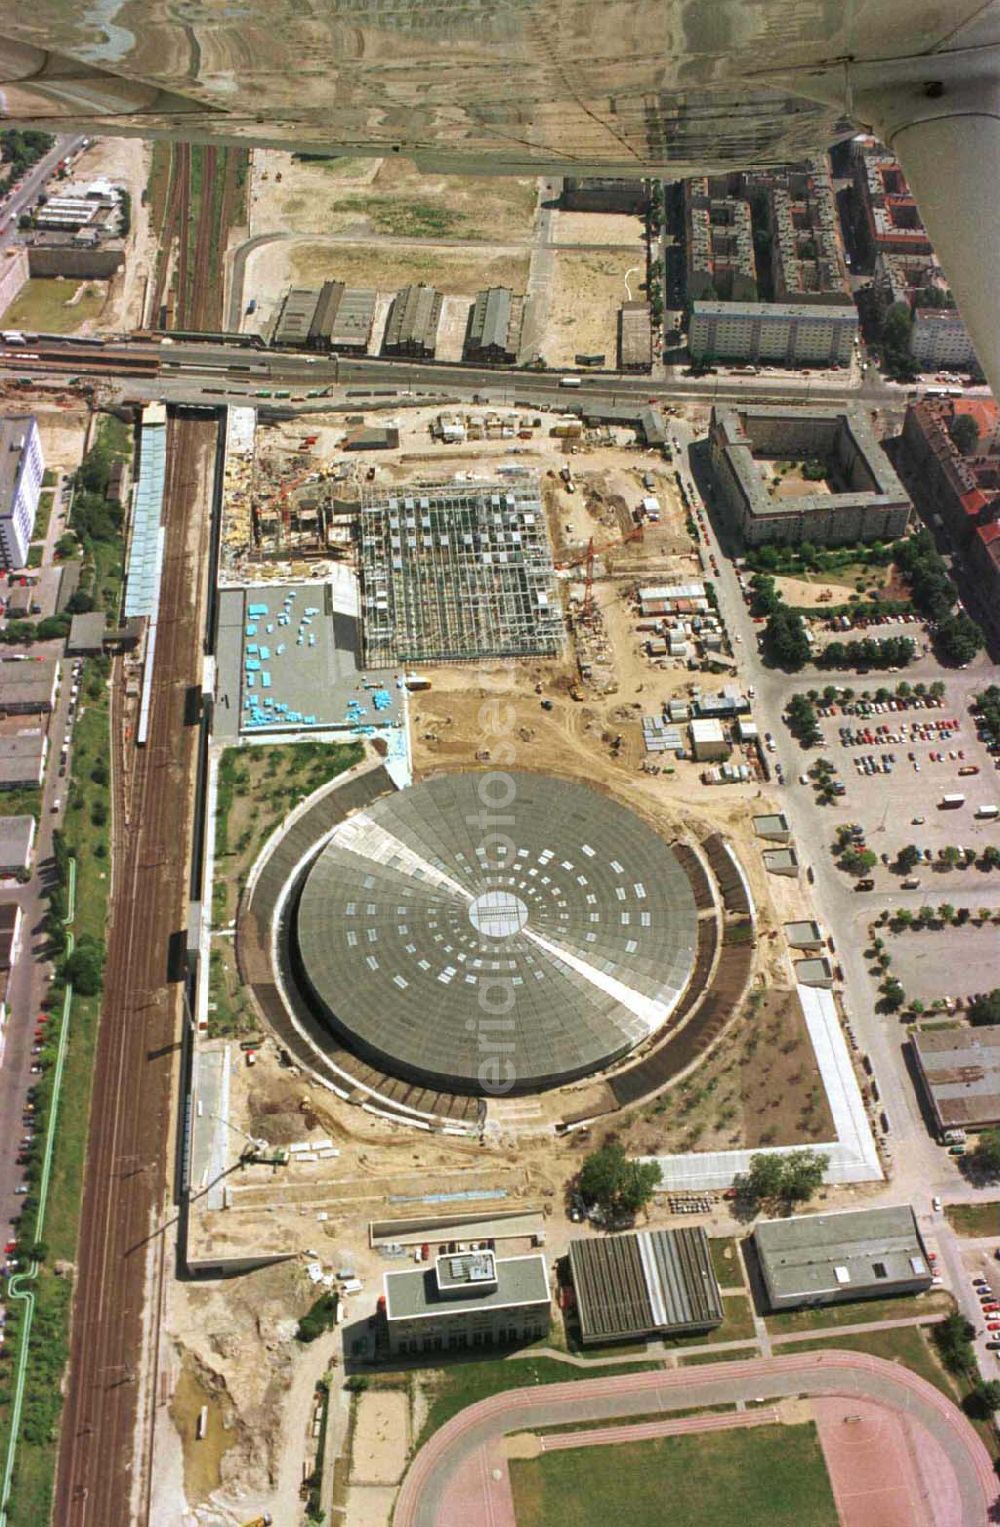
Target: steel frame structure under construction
{"type": "Point", "coordinates": [458, 571]}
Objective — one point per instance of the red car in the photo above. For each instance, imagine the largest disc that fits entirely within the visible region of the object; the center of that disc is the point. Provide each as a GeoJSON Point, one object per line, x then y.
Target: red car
{"type": "Point", "coordinates": [993, 1325]}
{"type": "Point", "coordinates": [991, 1309]}
{"type": "Point", "coordinates": [10, 1246]}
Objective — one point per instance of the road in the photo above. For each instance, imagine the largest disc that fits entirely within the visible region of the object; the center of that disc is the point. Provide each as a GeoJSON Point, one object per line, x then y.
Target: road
{"type": "Point", "coordinates": [920, 1168]}
{"type": "Point", "coordinates": [31, 185]}
{"type": "Point", "coordinates": [427, 1497]}
{"type": "Point", "coordinates": [101, 1472]}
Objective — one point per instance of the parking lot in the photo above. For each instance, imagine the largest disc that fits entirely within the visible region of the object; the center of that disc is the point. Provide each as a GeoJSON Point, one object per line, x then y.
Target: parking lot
{"type": "Point", "coordinates": [898, 761]}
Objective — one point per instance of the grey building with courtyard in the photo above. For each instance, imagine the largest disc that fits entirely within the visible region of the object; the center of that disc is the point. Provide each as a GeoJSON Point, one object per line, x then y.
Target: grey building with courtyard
{"type": "Point", "coordinates": [467, 1301]}
{"type": "Point", "coordinates": [650, 1283]}
{"type": "Point", "coordinates": [818, 1259]}
{"type": "Point", "coordinates": [843, 487]}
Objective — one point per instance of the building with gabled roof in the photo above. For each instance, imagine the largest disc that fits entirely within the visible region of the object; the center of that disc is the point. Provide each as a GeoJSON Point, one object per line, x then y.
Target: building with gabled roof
{"type": "Point", "coordinates": [413, 322]}
{"type": "Point", "coordinates": [644, 1283]}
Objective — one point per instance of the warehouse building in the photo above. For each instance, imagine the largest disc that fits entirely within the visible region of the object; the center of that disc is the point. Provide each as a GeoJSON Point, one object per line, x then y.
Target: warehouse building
{"type": "Point", "coordinates": [649, 1283]}
{"type": "Point", "coordinates": [495, 323]}
{"type": "Point", "coordinates": [858, 496]}
{"type": "Point", "coordinates": [817, 1259]}
{"type": "Point", "coordinates": [777, 333]}
{"type": "Point", "coordinates": [17, 838]}
{"type": "Point", "coordinates": [331, 317]}
{"type": "Point", "coordinates": [22, 760]}
{"type": "Point", "coordinates": [960, 1072]}
{"type": "Point", "coordinates": [466, 1301]}
{"type": "Point", "coordinates": [635, 337]}
{"type": "Point", "coordinates": [21, 470]}
{"type": "Point", "coordinates": [413, 322]}
{"type": "Point", "coordinates": [86, 634]}
{"type": "Point", "coordinates": [28, 688]}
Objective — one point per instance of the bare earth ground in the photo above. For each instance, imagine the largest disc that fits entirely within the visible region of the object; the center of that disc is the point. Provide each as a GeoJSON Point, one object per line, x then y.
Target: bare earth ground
{"type": "Point", "coordinates": [598, 228]}
{"type": "Point", "coordinates": [386, 195]}
{"type": "Point", "coordinates": [945, 961]}
{"type": "Point", "coordinates": [126, 161]}
{"type": "Point", "coordinates": [808, 590]}
{"type": "Point", "coordinates": [587, 291]}
{"type": "Point", "coordinates": [381, 1437]}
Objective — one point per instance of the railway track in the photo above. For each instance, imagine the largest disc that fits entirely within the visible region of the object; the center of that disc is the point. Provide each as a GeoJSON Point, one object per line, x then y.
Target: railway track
{"type": "Point", "coordinates": [125, 1187]}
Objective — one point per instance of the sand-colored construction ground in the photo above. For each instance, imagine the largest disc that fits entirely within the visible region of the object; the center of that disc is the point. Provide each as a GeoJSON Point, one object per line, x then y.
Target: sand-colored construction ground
{"type": "Point", "coordinates": [598, 228]}
{"type": "Point", "coordinates": [381, 1437]}
{"type": "Point", "coordinates": [587, 291]}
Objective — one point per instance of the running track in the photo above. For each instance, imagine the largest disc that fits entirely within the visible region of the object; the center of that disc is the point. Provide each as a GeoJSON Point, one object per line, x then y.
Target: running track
{"type": "Point", "coordinates": [461, 1474]}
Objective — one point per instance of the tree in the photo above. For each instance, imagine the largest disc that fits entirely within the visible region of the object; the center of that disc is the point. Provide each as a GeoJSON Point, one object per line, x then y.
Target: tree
{"type": "Point", "coordinates": [964, 432]}
{"type": "Point", "coordinates": [990, 858]}
{"type": "Point", "coordinates": [950, 856]}
{"type": "Point", "coordinates": [982, 1400]}
{"type": "Point", "coordinates": [84, 967]}
{"type": "Point", "coordinates": [893, 996]}
{"type": "Point", "coordinates": [895, 342]}
{"type": "Point", "coordinates": [619, 1185]}
{"type": "Point", "coordinates": [766, 598]}
{"type": "Point", "coordinates": [953, 1338]}
{"type": "Point", "coordinates": [908, 858]}
{"type": "Point", "coordinates": [985, 1009]}
{"type": "Point", "coordinates": [785, 640]}
{"type": "Point", "coordinates": [946, 912]}
{"type": "Point", "coordinates": [985, 1156]}
{"type": "Point", "coordinates": [958, 639]}
{"type": "Point", "coordinates": [786, 1179]}
{"type": "Point", "coordinates": [859, 861]}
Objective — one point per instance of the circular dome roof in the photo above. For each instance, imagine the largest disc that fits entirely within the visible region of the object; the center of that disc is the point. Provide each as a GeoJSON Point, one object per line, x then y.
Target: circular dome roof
{"type": "Point", "coordinates": [492, 933]}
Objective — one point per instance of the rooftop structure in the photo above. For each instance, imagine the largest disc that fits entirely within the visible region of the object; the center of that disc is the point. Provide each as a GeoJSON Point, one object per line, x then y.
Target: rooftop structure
{"type": "Point", "coordinates": [786, 333]}
{"type": "Point", "coordinates": [651, 1283]}
{"type": "Point", "coordinates": [86, 634]}
{"type": "Point", "coordinates": [807, 261]}
{"type": "Point", "coordinates": [28, 688]}
{"type": "Point", "coordinates": [17, 837]}
{"type": "Point", "coordinates": [470, 1300]}
{"type": "Point", "coordinates": [891, 220]}
{"type": "Point", "coordinates": [802, 935]}
{"type": "Point", "coordinates": [408, 911]}
{"type": "Point", "coordinates": [413, 322]}
{"type": "Point", "coordinates": [21, 470]}
{"type": "Point", "coordinates": [719, 239]}
{"type": "Point", "coordinates": [11, 921]}
{"type": "Point", "coordinates": [635, 337]}
{"type": "Point", "coordinates": [960, 1070]}
{"type": "Point", "coordinates": [145, 547]}
{"type": "Point", "coordinates": [817, 1259]}
{"type": "Point", "coordinates": [22, 760]}
{"type": "Point", "coordinates": [860, 498]}
{"type": "Point", "coordinates": [963, 490]}
{"type": "Point", "coordinates": [495, 324]}
{"type": "Point", "coordinates": [708, 740]}
{"type": "Point", "coordinates": [457, 571]}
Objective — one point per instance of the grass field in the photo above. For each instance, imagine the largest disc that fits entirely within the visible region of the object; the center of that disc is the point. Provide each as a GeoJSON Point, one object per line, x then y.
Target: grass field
{"type": "Point", "coordinates": [860, 1312]}
{"type": "Point", "coordinates": [772, 1476]}
{"type": "Point", "coordinates": [464, 1384]}
{"type": "Point", "coordinates": [907, 1345]}
{"type": "Point", "coordinates": [726, 1261]}
{"type": "Point", "coordinates": [974, 1219]}
{"type": "Point", "coordinates": [42, 304]}
{"type": "Point", "coordinates": [457, 271]}
{"type": "Point", "coordinates": [22, 803]}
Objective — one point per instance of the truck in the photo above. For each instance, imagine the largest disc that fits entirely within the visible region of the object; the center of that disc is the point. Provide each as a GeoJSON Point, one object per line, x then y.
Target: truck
{"type": "Point", "coordinates": [988, 812]}
{"type": "Point", "coordinates": [569, 381]}
{"type": "Point", "coordinates": [950, 802]}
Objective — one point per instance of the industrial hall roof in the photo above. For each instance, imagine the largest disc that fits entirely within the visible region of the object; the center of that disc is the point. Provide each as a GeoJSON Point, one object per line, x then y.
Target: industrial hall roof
{"type": "Point", "coordinates": [634, 1285]}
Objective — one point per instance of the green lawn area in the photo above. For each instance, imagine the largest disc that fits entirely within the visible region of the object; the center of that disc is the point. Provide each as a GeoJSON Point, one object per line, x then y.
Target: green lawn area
{"type": "Point", "coordinates": [974, 1219]}
{"type": "Point", "coordinates": [726, 1261]}
{"type": "Point", "coordinates": [860, 1312]}
{"type": "Point", "coordinates": [258, 787]}
{"type": "Point", "coordinates": [21, 803]}
{"type": "Point", "coordinates": [907, 1345]}
{"type": "Point", "coordinates": [42, 302]}
{"type": "Point", "coordinates": [708, 1356]}
{"type": "Point", "coordinates": [771, 1476]}
{"type": "Point", "coordinates": [463, 1384]}
{"type": "Point", "coordinates": [43, 516]}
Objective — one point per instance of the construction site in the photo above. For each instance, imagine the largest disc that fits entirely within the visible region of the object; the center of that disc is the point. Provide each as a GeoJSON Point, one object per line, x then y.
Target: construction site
{"type": "Point", "coordinates": [340, 1119]}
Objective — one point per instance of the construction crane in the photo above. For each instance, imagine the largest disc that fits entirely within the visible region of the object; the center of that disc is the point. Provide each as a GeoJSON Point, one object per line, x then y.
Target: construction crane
{"type": "Point", "coordinates": [587, 561]}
